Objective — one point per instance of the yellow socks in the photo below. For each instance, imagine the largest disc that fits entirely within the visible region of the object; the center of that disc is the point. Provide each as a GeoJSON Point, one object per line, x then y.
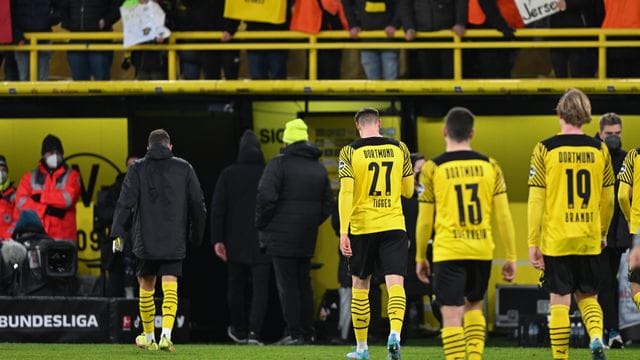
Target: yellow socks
{"type": "Point", "coordinates": [453, 343]}
{"type": "Point", "coordinates": [592, 317]}
{"type": "Point", "coordinates": [559, 331]}
{"type": "Point", "coordinates": [147, 312]}
{"type": "Point", "coordinates": [395, 308]}
{"type": "Point", "coordinates": [360, 315]}
{"type": "Point", "coordinates": [474, 331]}
{"type": "Point", "coordinates": [636, 299]}
{"type": "Point", "coordinates": [169, 306]}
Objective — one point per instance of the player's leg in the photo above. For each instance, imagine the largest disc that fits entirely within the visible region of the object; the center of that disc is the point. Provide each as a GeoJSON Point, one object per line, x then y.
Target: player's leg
{"type": "Point", "coordinates": [449, 279]}
{"type": "Point", "coordinates": [634, 271]}
{"type": "Point", "coordinates": [147, 306]}
{"type": "Point", "coordinates": [558, 280]}
{"type": "Point", "coordinates": [361, 267]}
{"type": "Point", "coordinates": [475, 324]}
{"type": "Point", "coordinates": [169, 272]}
{"type": "Point", "coordinates": [589, 274]}
{"type": "Point", "coordinates": [393, 255]}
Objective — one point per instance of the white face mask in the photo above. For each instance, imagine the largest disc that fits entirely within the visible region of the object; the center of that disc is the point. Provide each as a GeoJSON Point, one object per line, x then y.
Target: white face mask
{"type": "Point", "coordinates": [3, 177]}
{"type": "Point", "coordinates": [53, 161]}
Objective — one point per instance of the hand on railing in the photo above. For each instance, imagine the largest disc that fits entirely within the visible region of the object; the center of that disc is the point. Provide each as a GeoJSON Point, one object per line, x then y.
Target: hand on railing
{"type": "Point", "coordinates": [101, 24]}
{"type": "Point", "coordinates": [459, 30]}
{"type": "Point", "coordinates": [410, 35]}
{"type": "Point", "coordinates": [226, 36]}
{"type": "Point", "coordinates": [562, 5]}
{"type": "Point", "coordinates": [353, 32]}
{"type": "Point", "coordinates": [390, 31]}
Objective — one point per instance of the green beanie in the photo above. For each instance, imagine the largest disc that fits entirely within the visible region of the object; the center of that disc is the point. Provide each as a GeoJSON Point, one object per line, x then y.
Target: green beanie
{"type": "Point", "coordinates": [294, 131]}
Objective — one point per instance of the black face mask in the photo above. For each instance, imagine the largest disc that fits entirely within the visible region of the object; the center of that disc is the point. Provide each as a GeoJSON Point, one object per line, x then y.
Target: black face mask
{"type": "Point", "coordinates": [613, 142]}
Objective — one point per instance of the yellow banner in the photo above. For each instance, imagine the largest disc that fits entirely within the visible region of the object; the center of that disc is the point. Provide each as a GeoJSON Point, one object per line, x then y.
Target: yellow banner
{"type": "Point", "coordinates": [96, 147]}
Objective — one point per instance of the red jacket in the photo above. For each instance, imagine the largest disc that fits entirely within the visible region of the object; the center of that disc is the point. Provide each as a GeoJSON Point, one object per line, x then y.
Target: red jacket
{"type": "Point", "coordinates": [7, 202]}
{"type": "Point", "coordinates": [307, 15]}
{"type": "Point", "coordinates": [622, 14]}
{"type": "Point", "coordinates": [53, 197]}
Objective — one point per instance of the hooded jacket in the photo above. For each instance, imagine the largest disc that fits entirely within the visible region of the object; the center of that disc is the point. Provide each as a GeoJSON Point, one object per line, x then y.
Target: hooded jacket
{"type": "Point", "coordinates": [432, 15]}
{"type": "Point", "coordinates": [294, 198]}
{"type": "Point", "coordinates": [7, 204]}
{"type": "Point", "coordinates": [53, 196]}
{"type": "Point", "coordinates": [234, 203]}
{"type": "Point", "coordinates": [162, 203]}
{"type": "Point", "coordinates": [85, 15]}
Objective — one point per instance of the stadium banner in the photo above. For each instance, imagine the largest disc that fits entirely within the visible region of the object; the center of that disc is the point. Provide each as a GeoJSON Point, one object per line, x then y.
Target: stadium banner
{"type": "Point", "coordinates": [126, 324]}
{"type": "Point", "coordinates": [628, 314]}
{"type": "Point", "coordinates": [96, 147]}
{"type": "Point", "coordinates": [269, 11]}
{"type": "Point", "coordinates": [534, 10]}
{"type": "Point", "coordinates": [54, 319]}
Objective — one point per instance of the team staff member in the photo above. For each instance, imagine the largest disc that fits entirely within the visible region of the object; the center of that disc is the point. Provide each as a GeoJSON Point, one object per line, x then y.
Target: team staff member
{"type": "Point", "coordinates": [570, 207]}
{"type": "Point", "coordinates": [7, 200]}
{"type": "Point", "coordinates": [630, 206]}
{"type": "Point", "coordinates": [374, 172]}
{"type": "Point", "coordinates": [51, 190]}
{"type": "Point", "coordinates": [160, 201]}
{"type": "Point", "coordinates": [463, 244]}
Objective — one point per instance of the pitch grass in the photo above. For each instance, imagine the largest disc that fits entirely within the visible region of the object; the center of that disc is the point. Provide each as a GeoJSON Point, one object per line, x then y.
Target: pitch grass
{"type": "Point", "coordinates": [122, 352]}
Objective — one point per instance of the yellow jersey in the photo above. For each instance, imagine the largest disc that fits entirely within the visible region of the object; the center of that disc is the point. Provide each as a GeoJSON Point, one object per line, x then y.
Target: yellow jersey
{"type": "Point", "coordinates": [630, 174]}
{"type": "Point", "coordinates": [573, 170]}
{"type": "Point", "coordinates": [462, 185]}
{"type": "Point", "coordinates": [378, 166]}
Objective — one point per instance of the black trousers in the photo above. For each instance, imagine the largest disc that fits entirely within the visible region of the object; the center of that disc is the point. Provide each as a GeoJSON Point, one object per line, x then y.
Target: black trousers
{"type": "Point", "coordinates": [240, 276]}
{"type": "Point", "coordinates": [296, 295]}
{"type": "Point", "coordinates": [608, 295]}
{"type": "Point", "coordinates": [431, 64]}
{"type": "Point", "coordinates": [575, 63]}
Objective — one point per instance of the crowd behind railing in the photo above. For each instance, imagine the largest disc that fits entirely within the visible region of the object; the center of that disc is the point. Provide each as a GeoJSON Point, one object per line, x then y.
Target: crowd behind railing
{"type": "Point", "coordinates": [432, 32]}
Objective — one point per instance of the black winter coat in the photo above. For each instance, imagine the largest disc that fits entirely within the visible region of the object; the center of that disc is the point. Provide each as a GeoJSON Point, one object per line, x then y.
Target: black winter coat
{"type": "Point", "coordinates": [205, 15]}
{"type": "Point", "coordinates": [85, 15]}
{"type": "Point", "coordinates": [234, 204]}
{"type": "Point", "coordinates": [33, 16]}
{"type": "Point", "coordinates": [294, 198]}
{"type": "Point", "coordinates": [579, 13]}
{"type": "Point", "coordinates": [432, 15]}
{"type": "Point", "coordinates": [356, 15]}
{"type": "Point", "coordinates": [162, 203]}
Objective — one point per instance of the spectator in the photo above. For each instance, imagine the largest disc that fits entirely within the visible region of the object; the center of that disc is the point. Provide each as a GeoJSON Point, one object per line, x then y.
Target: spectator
{"type": "Point", "coordinates": [90, 15]}
{"type": "Point", "coordinates": [383, 15]}
{"type": "Point", "coordinates": [206, 15]}
{"type": "Point", "coordinates": [120, 268]}
{"type": "Point", "coordinates": [268, 64]}
{"type": "Point", "coordinates": [10, 66]}
{"type": "Point", "coordinates": [618, 237]}
{"type": "Point", "coordinates": [622, 14]}
{"type": "Point", "coordinates": [576, 62]}
{"type": "Point", "coordinates": [161, 202]}
{"type": "Point", "coordinates": [432, 15]}
{"type": "Point", "coordinates": [344, 278]}
{"type": "Point", "coordinates": [33, 16]}
{"type": "Point", "coordinates": [503, 16]}
{"type": "Point", "coordinates": [152, 65]}
{"type": "Point", "coordinates": [294, 198]}
{"type": "Point", "coordinates": [51, 190]}
{"type": "Point", "coordinates": [313, 16]}
{"type": "Point", "coordinates": [236, 240]}
{"type": "Point", "coordinates": [7, 200]}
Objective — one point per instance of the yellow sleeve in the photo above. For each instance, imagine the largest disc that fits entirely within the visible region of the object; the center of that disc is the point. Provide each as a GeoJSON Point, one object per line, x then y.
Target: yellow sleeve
{"type": "Point", "coordinates": [505, 225]}
{"type": "Point", "coordinates": [535, 211]}
{"type": "Point", "coordinates": [424, 228]}
{"type": "Point", "coordinates": [345, 203]}
{"type": "Point", "coordinates": [606, 209]}
{"type": "Point", "coordinates": [407, 173]}
{"type": "Point", "coordinates": [624, 199]}
{"type": "Point", "coordinates": [408, 186]}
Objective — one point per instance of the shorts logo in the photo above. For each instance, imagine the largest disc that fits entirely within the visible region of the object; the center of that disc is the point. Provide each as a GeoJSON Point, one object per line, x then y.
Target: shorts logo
{"type": "Point", "coordinates": [341, 165]}
{"type": "Point", "coordinates": [532, 172]}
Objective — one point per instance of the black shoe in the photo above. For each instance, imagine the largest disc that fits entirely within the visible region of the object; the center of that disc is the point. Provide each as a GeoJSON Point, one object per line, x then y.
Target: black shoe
{"type": "Point", "coordinates": [289, 340]}
{"type": "Point", "coordinates": [236, 336]}
{"type": "Point", "coordinates": [254, 339]}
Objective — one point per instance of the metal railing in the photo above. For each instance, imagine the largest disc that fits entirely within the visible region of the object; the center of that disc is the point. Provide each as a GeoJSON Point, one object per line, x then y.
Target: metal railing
{"type": "Point", "coordinates": [600, 39]}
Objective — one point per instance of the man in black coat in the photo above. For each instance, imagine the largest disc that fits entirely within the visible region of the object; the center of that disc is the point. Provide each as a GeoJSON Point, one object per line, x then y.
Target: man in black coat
{"type": "Point", "coordinates": [236, 240]}
{"type": "Point", "coordinates": [618, 237]}
{"type": "Point", "coordinates": [161, 202]}
{"type": "Point", "coordinates": [294, 199]}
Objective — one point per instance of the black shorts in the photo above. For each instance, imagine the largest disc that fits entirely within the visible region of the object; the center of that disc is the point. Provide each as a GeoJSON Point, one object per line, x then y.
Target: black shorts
{"type": "Point", "coordinates": [159, 267]}
{"type": "Point", "coordinates": [387, 250]}
{"type": "Point", "coordinates": [457, 280]}
{"type": "Point", "coordinates": [565, 275]}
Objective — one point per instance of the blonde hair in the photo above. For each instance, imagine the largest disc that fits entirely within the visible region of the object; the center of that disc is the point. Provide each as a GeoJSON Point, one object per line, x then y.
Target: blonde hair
{"type": "Point", "coordinates": [574, 108]}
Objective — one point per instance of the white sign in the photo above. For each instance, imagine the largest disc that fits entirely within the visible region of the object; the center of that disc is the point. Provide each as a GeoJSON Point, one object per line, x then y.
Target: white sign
{"type": "Point", "coordinates": [628, 315]}
{"type": "Point", "coordinates": [142, 23]}
{"type": "Point", "coordinates": [534, 10]}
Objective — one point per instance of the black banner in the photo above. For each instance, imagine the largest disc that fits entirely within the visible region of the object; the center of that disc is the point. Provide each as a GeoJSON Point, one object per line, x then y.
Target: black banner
{"type": "Point", "coordinates": [54, 319]}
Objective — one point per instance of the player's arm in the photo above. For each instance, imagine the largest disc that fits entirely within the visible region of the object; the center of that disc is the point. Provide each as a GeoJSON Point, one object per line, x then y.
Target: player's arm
{"type": "Point", "coordinates": [607, 199]}
{"type": "Point", "coordinates": [407, 173]}
{"type": "Point", "coordinates": [345, 203]}
{"type": "Point", "coordinates": [505, 225]}
{"type": "Point", "coordinates": [624, 199]}
{"type": "Point", "coordinates": [536, 204]}
{"type": "Point", "coordinates": [425, 221]}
